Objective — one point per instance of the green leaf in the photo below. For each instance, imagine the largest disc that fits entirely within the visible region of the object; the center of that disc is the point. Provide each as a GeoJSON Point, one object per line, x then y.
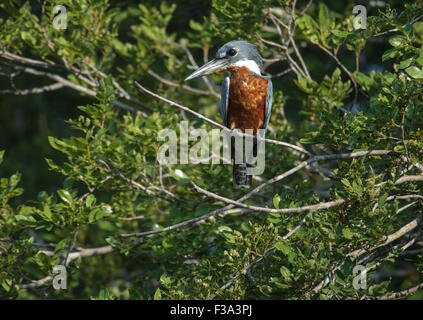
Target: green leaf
{"type": "Point", "coordinates": [325, 18]}
{"type": "Point", "coordinates": [340, 33]}
{"type": "Point", "coordinates": [285, 272]}
{"type": "Point", "coordinates": [67, 184]}
{"type": "Point", "coordinates": [65, 196]}
{"type": "Point", "coordinates": [104, 294]}
{"type": "Point", "coordinates": [347, 233]}
{"type": "Point", "coordinates": [14, 179]}
{"type": "Point", "coordinates": [307, 140]}
{"type": "Point", "coordinates": [179, 175]}
{"type": "Point", "coordinates": [345, 182]}
{"type": "Point", "coordinates": [7, 284]}
{"type": "Point", "coordinates": [158, 294]}
{"type": "Point", "coordinates": [26, 220]}
{"type": "Point", "coordinates": [283, 247]}
{"type": "Point", "coordinates": [390, 54]}
{"type": "Point", "coordinates": [224, 229]}
{"type": "Point", "coordinates": [99, 213]}
{"type": "Point", "coordinates": [414, 72]}
{"type": "Point", "coordinates": [61, 245]}
{"type": "Point", "coordinates": [405, 63]}
{"type": "Point", "coordinates": [419, 60]}
{"type": "Point", "coordinates": [90, 200]}
{"type": "Point", "coordinates": [276, 200]}
{"type": "Point", "coordinates": [396, 42]}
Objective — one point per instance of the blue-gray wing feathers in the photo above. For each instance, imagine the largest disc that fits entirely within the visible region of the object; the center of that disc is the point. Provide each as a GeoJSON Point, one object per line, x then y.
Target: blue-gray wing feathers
{"type": "Point", "coordinates": [268, 106]}
{"type": "Point", "coordinates": [224, 100]}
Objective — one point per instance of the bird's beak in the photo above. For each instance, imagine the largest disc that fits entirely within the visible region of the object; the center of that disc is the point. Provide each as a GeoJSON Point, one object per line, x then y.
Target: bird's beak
{"type": "Point", "coordinates": [208, 68]}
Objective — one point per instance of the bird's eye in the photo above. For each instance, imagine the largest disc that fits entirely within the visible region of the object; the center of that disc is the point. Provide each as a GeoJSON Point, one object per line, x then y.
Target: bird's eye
{"type": "Point", "coordinates": [232, 52]}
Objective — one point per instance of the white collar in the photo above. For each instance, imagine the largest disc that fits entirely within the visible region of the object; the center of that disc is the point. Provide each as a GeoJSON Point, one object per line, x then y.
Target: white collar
{"type": "Point", "coordinates": [250, 64]}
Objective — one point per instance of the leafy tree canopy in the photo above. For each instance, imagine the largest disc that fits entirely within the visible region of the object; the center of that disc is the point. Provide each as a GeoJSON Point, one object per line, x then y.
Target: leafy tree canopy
{"type": "Point", "coordinates": [344, 156]}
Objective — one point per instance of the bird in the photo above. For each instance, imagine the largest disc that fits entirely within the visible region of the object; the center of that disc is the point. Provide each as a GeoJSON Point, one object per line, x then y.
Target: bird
{"type": "Point", "coordinates": [246, 95]}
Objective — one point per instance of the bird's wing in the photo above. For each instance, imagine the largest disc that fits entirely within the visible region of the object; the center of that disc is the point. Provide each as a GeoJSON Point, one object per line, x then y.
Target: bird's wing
{"type": "Point", "coordinates": [224, 100]}
{"type": "Point", "coordinates": [268, 106]}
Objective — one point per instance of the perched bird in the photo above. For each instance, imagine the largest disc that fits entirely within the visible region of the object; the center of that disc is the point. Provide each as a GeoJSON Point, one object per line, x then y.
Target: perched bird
{"type": "Point", "coordinates": [246, 97]}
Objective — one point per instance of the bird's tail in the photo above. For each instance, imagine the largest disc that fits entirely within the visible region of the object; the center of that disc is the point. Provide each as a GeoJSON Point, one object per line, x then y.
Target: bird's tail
{"type": "Point", "coordinates": [240, 177]}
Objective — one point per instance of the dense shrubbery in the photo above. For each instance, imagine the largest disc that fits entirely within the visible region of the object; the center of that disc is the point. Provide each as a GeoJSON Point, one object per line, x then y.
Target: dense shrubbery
{"type": "Point", "coordinates": [344, 189]}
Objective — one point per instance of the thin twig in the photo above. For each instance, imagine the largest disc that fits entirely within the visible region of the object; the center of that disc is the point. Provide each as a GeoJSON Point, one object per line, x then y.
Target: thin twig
{"type": "Point", "coordinates": [354, 82]}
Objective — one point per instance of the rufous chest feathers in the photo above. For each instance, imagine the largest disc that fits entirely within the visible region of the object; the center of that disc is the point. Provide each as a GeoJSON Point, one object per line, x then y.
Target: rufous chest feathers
{"type": "Point", "coordinates": [247, 99]}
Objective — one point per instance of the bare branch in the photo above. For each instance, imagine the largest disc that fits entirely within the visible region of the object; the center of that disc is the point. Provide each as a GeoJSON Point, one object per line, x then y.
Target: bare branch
{"type": "Point", "coordinates": [66, 83]}
{"type": "Point", "coordinates": [401, 293]}
{"type": "Point", "coordinates": [52, 87]}
{"type": "Point", "coordinates": [72, 256]}
{"type": "Point", "coordinates": [209, 83]}
{"type": "Point", "coordinates": [280, 74]}
{"type": "Point", "coordinates": [410, 178]}
{"type": "Point", "coordinates": [35, 63]}
{"type": "Point", "coordinates": [185, 87]}
{"type": "Point", "coordinates": [322, 205]}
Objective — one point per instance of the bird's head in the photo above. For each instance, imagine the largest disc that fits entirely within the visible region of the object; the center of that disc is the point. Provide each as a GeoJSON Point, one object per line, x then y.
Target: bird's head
{"type": "Point", "coordinates": [234, 53]}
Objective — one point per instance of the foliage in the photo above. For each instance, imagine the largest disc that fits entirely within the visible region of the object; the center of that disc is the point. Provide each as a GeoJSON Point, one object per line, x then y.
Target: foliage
{"type": "Point", "coordinates": [347, 91]}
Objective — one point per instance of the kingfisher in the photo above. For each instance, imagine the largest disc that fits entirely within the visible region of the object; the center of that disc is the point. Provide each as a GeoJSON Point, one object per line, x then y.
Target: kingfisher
{"type": "Point", "coordinates": [246, 95]}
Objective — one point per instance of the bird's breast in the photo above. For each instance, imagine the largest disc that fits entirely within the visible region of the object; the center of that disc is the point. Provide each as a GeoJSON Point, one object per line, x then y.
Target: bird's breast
{"type": "Point", "coordinates": [247, 100]}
